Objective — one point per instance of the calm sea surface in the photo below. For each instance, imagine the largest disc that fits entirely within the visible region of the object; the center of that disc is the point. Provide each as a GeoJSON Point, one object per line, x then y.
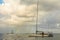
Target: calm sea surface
{"type": "Point", "coordinates": [55, 37]}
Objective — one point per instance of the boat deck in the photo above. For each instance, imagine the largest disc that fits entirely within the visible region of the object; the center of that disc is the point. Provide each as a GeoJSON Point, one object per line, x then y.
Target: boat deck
{"type": "Point", "coordinates": [38, 35]}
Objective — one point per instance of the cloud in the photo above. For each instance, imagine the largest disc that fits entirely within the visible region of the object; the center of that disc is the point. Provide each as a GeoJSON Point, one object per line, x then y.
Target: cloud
{"type": "Point", "coordinates": [49, 5]}
{"type": "Point", "coordinates": [13, 10]}
{"type": "Point", "coordinates": [28, 2]}
{"type": "Point", "coordinates": [17, 13]}
{"type": "Point", "coordinates": [51, 14]}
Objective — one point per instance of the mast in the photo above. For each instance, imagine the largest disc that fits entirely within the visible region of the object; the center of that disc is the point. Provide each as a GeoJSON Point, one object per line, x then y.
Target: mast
{"type": "Point", "coordinates": [37, 17]}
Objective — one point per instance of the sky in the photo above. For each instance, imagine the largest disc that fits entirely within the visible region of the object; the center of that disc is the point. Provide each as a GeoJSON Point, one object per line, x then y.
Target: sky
{"type": "Point", "coordinates": [1, 1]}
{"type": "Point", "coordinates": [20, 16]}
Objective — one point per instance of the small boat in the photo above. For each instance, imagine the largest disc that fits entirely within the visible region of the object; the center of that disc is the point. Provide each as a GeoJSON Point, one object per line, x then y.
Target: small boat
{"type": "Point", "coordinates": [38, 35]}
{"type": "Point", "coordinates": [41, 35]}
{"type": "Point", "coordinates": [50, 35]}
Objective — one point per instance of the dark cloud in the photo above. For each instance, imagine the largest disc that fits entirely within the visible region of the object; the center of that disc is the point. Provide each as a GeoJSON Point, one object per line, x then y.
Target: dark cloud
{"type": "Point", "coordinates": [46, 6]}
{"type": "Point", "coordinates": [28, 2]}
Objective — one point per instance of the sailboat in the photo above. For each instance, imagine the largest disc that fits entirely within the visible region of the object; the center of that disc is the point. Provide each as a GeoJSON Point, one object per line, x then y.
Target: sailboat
{"type": "Point", "coordinates": [40, 33]}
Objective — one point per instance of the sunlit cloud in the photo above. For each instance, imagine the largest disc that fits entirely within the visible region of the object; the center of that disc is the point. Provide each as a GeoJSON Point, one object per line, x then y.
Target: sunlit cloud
{"type": "Point", "coordinates": [14, 9]}
{"type": "Point", "coordinates": [16, 13]}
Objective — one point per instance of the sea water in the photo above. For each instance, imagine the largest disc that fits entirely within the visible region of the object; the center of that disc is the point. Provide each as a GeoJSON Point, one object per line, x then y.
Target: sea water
{"type": "Point", "coordinates": [55, 37]}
